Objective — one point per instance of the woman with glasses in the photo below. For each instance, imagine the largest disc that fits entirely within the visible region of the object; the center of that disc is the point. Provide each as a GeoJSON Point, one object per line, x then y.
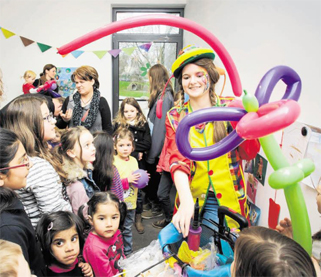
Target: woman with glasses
{"type": "Point", "coordinates": [15, 226]}
{"type": "Point", "coordinates": [30, 119]}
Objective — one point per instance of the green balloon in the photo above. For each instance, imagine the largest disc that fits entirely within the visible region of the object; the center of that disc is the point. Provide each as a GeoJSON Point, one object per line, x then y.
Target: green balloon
{"type": "Point", "coordinates": [250, 102]}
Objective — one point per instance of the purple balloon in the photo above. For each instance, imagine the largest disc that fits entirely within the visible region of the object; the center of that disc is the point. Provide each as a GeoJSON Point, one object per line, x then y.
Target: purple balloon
{"type": "Point", "coordinates": [143, 179]}
{"type": "Point", "coordinates": [272, 77]}
{"type": "Point", "coordinates": [216, 150]}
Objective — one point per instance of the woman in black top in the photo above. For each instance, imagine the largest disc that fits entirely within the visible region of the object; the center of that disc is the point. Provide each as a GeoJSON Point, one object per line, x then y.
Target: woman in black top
{"type": "Point", "coordinates": [86, 107]}
{"type": "Point", "coordinates": [15, 225]}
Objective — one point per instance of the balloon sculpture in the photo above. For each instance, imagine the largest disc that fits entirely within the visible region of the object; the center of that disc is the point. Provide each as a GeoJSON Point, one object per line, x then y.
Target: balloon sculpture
{"type": "Point", "coordinates": [265, 116]}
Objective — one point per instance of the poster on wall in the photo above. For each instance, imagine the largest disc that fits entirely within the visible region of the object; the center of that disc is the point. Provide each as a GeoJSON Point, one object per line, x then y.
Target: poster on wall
{"type": "Point", "coordinates": [254, 213]}
{"type": "Point", "coordinates": [63, 79]}
{"type": "Point", "coordinates": [251, 187]}
{"type": "Point", "coordinates": [249, 166]}
{"type": "Point", "coordinates": [260, 168]}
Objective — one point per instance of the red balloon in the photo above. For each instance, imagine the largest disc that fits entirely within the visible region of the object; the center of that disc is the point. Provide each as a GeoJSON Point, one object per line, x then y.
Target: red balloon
{"type": "Point", "coordinates": [161, 19]}
{"type": "Point", "coordinates": [269, 118]}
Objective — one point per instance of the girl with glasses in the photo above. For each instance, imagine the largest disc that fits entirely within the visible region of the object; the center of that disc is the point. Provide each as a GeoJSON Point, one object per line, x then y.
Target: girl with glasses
{"type": "Point", "coordinates": [31, 121]}
{"type": "Point", "coordinates": [15, 226]}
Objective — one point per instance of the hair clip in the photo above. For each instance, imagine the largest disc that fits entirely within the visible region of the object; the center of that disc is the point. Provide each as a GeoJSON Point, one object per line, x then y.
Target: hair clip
{"type": "Point", "coordinates": [50, 226]}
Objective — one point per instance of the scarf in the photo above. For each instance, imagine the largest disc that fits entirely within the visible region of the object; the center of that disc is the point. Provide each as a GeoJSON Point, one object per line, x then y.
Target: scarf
{"type": "Point", "coordinates": [93, 110]}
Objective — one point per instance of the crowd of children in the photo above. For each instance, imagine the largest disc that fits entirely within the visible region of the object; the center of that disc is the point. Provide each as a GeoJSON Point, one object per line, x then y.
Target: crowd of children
{"type": "Point", "coordinates": [68, 176]}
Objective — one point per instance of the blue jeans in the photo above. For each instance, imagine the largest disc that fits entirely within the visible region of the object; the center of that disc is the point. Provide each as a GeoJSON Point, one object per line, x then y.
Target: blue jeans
{"type": "Point", "coordinates": [209, 212]}
{"type": "Point", "coordinates": [127, 232]}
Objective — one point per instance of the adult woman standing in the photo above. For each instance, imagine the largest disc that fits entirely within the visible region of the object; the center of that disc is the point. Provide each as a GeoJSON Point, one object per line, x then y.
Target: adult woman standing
{"type": "Point", "coordinates": [158, 77]}
{"type": "Point", "coordinates": [48, 73]}
{"type": "Point", "coordinates": [214, 182]}
{"type": "Point", "coordinates": [15, 226]}
{"type": "Point", "coordinates": [86, 107]}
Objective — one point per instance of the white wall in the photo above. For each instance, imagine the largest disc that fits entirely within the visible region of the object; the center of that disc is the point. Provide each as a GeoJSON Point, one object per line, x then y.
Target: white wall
{"type": "Point", "coordinates": [55, 23]}
{"type": "Point", "coordinates": [258, 35]}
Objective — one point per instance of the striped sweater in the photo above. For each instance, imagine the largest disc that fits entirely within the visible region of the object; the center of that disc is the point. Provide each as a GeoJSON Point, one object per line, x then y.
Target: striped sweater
{"type": "Point", "coordinates": [43, 192]}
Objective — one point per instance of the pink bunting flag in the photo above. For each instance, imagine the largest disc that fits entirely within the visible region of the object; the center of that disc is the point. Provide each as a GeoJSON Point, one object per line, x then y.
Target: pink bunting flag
{"type": "Point", "coordinates": [114, 52]}
{"type": "Point", "coordinates": [146, 46]}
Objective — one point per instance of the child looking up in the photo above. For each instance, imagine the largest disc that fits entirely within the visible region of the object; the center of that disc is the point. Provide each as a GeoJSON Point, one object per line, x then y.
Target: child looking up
{"type": "Point", "coordinates": [126, 165]}
{"type": "Point", "coordinates": [77, 152]}
{"type": "Point", "coordinates": [60, 236]}
{"type": "Point", "coordinates": [105, 173]}
{"type": "Point", "coordinates": [131, 117]}
{"type": "Point", "coordinates": [104, 244]}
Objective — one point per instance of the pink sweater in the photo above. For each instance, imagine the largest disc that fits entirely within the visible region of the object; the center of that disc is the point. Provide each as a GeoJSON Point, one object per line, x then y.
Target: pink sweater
{"type": "Point", "coordinates": [104, 254]}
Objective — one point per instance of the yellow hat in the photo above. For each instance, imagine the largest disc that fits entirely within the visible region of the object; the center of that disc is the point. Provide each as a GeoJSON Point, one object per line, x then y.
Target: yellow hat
{"type": "Point", "coordinates": [190, 53]}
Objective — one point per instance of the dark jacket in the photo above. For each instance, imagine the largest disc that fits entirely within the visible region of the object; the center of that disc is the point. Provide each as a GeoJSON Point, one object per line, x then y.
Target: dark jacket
{"type": "Point", "coordinates": [142, 138]}
{"type": "Point", "coordinates": [15, 226]}
{"type": "Point", "coordinates": [158, 129]}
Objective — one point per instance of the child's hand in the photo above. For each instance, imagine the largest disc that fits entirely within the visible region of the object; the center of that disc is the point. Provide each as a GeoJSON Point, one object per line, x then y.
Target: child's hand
{"type": "Point", "coordinates": [285, 227]}
{"type": "Point", "coordinates": [133, 178]}
{"type": "Point", "coordinates": [66, 116]}
{"type": "Point", "coordinates": [86, 269]}
{"type": "Point", "coordinates": [140, 156]}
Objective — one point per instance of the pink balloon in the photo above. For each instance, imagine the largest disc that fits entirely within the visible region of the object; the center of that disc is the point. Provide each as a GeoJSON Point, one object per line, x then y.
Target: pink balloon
{"type": "Point", "coordinates": [269, 118]}
{"type": "Point", "coordinates": [161, 19]}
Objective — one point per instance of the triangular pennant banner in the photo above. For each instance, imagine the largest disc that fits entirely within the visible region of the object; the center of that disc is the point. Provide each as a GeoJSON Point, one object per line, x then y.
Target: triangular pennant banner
{"type": "Point", "coordinates": [100, 54]}
{"type": "Point", "coordinates": [114, 52]}
{"type": "Point", "coordinates": [43, 47]}
{"type": "Point", "coordinates": [26, 42]}
{"type": "Point", "coordinates": [129, 50]}
{"type": "Point", "coordinates": [64, 55]}
{"type": "Point", "coordinates": [7, 33]}
{"type": "Point", "coordinates": [146, 46]}
{"type": "Point", "coordinates": [77, 53]}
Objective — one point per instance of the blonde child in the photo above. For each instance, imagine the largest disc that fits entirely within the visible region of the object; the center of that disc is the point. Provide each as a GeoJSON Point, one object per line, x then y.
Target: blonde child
{"type": "Point", "coordinates": [126, 165]}
{"type": "Point", "coordinates": [105, 173]}
{"type": "Point", "coordinates": [60, 236]}
{"type": "Point", "coordinates": [131, 117]}
{"type": "Point", "coordinates": [28, 86]}
{"type": "Point", "coordinates": [104, 245]}
{"type": "Point", "coordinates": [77, 152]}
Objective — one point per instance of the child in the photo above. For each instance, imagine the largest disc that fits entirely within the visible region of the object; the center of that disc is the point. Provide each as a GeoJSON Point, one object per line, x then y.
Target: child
{"type": "Point", "coordinates": [126, 164]}
{"type": "Point", "coordinates": [130, 116]}
{"type": "Point", "coordinates": [104, 244]}
{"type": "Point", "coordinates": [29, 118]}
{"type": "Point", "coordinates": [12, 261]}
{"type": "Point", "coordinates": [77, 152]}
{"type": "Point", "coordinates": [15, 225]}
{"type": "Point", "coordinates": [56, 141]}
{"type": "Point", "coordinates": [105, 173]}
{"type": "Point", "coordinates": [261, 251]}
{"type": "Point", "coordinates": [60, 236]}
{"type": "Point", "coordinates": [28, 86]}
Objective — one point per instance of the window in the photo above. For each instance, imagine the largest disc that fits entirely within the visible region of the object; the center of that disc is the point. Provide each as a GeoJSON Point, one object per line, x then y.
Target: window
{"type": "Point", "coordinates": [142, 47]}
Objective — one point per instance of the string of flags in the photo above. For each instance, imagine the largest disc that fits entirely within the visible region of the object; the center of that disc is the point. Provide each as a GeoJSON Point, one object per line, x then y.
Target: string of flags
{"type": "Point", "coordinates": [77, 53]}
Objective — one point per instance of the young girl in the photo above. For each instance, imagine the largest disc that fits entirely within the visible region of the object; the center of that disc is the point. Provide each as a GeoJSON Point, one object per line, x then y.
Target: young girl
{"type": "Point", "coordinates": [130, 116]}
{"type": "Point", "coordinates": [60, 236]}
{"type": "Point", "coordinates": [214, 182]}
{"type": "Point", "coordinates": [77, 152]}
{"type": "Point", "coordinates": [158, 77]}
{"type": "Point", "coordinates": [28, 116]}
{"type": "Point", "coordinates": [261, 251]}
{"type": "Point", "coordinates": [126, 165]}
{"type": "Point", "coordinates": [104, 245]}
{"type": "Point", "coordinates": [105, 173]}
{"type": "Point", "coordinates": [15, 226]}
{"type": "Point", "coordinates": [28, 86]}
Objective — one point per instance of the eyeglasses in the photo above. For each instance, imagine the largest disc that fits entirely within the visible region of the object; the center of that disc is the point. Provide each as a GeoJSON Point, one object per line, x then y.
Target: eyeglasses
{"type": "Point", "coordinates": [49, 117]}
{"type": "Point", "coordinates": [26, 163]}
